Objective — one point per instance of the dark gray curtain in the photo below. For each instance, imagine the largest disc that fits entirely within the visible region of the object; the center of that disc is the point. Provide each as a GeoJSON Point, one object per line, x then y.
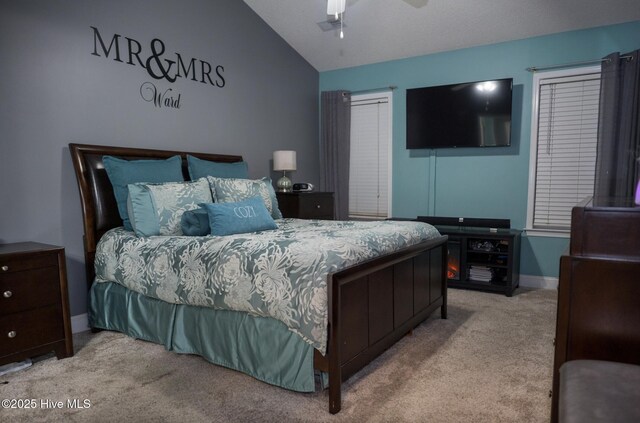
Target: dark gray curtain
{"type": "Point", "coordinates": [617, 169]}
{"type": "Point", "coordinates": [334, 148]}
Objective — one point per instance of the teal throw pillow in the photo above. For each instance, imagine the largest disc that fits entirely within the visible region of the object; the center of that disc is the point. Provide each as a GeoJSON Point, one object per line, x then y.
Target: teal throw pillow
{"type": "Point", "coordinates": [157, 209]}
{"type": "Point", "coordinates": [199, 168]}
{"type": "Point", "coordinates": [239, 217]}
{"type": "Point", "coordinates": [195, 222]}
{"type": "Point", "coordinates": [124, 172]}
{"type": "Point", "coordinates": [226, 190]}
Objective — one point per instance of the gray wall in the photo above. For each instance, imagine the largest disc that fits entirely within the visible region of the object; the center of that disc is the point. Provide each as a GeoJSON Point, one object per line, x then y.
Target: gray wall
{"type": "Point", "coordinates": [54, 91]}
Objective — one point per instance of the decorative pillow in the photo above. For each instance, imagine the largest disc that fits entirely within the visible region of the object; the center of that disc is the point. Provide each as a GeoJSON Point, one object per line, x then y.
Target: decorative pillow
{"type": "Point", "coordinates": [225, 190]}
{"type": "Point", "coordinates": [123, 172]}
{"type": "Point", "coordinates": [240, 217]}
{"type": "Point", "coordinates": [195, 222]}
{"type": "Point", "coordinates": [157, 209]}
{"type": "Point", "coordinates": [199, 168]}
{"type": "Point", "coordinates": [275, 210]}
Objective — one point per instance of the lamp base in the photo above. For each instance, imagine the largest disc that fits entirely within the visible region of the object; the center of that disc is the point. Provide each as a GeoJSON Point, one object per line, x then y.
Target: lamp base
{"type": "Point", "coordinates": [284, 184]}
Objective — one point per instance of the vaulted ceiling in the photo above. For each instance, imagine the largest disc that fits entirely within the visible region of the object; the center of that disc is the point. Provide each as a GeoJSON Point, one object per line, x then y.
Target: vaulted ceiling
{"type": "Point", "coordinates": [381, 30]}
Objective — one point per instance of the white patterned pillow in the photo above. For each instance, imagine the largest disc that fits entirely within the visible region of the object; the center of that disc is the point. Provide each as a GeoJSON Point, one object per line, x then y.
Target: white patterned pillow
{"type": "Point", "coordinates": [231, 190]}
{"type": "Point", "coordinates": [156, 209]}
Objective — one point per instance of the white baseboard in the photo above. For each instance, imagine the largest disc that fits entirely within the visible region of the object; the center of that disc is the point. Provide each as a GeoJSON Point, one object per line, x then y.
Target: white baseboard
{"type": "Point", "coordinates": [79, 323]}
{"type": "Point", "coordinates": [539, 282]}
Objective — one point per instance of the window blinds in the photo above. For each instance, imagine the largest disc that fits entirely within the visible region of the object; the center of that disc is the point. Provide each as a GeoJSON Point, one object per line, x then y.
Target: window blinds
{"type": "Point", "coordinates": [369, 158]}
{"type": "Point", "coordinates": [566, 147]}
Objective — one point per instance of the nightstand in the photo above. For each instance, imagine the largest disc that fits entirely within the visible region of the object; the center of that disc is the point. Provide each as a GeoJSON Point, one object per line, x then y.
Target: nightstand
{"type": "Point", "coordinates": [306, 205]}
{"type": "Point", "coordinates": [34, 303]}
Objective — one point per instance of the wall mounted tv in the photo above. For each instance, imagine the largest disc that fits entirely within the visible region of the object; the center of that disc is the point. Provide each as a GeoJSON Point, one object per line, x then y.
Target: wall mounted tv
{"type": "Point", "coordinates": [470, 114]}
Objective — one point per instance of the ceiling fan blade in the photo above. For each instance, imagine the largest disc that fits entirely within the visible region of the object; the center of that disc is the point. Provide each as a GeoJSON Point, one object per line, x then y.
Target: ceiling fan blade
{"type": "Point", "coordinates": [417, 3]}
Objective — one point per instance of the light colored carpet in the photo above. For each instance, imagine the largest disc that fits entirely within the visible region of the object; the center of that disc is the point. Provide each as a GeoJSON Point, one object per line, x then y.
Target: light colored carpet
{"type": "Point", "coordinates": [491, 361]}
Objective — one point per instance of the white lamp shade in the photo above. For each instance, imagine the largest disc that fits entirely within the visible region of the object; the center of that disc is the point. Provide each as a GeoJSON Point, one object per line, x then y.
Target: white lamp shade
{"type": "Point", "coordinates": [335, 7]}
{"type": "Point", "coordinates": [284, 160]}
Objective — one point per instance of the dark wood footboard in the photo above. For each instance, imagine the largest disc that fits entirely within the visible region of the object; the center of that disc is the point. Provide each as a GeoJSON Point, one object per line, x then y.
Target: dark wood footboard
{"type": "Point", "coordinates": [374, 304]}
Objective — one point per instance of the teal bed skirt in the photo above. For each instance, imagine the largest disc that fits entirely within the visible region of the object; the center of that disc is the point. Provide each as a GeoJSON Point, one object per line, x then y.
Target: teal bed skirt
{"type": "Point", "coordinates": [260, 347]}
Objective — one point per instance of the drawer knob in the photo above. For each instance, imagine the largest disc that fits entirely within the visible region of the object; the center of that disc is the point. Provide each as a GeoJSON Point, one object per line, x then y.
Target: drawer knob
{"type": "Point", "coordinates": [7, 294]}
{"type": "Point", "coordinates": [318, 206]}
{"type": "Point", "coordinates": [12, 334]}
{"type": "Point", "coordinates": [5, 268]}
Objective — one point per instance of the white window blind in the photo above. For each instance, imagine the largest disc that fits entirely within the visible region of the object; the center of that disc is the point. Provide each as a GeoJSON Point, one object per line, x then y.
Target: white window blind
{"type": "Point", "coordinates": [369, 157]}
{"type": "Point", "coordinates": [567, 132]}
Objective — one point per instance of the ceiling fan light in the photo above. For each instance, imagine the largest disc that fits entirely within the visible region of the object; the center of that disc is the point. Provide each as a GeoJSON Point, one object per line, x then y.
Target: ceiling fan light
{"type": "Point", "coordinates": [335, 7]}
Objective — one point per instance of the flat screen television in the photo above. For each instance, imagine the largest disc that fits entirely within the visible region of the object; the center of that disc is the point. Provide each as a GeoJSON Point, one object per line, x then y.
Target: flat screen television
{"type": "Point", "coordinates": [470, 114]}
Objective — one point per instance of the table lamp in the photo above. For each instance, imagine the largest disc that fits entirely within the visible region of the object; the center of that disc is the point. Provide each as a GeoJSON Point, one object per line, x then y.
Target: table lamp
{"type": "Point", "coordinates": [284, 160]}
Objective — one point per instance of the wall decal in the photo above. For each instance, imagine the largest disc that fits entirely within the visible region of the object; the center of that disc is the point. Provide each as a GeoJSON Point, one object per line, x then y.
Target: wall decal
{"type": "Point", "coordinates": [159, 65]}
{"type": "Point", "coordinates": [149, 92]}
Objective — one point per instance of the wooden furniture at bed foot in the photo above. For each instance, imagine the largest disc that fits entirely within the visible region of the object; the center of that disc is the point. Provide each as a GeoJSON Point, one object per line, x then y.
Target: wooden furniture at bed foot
{"type": "Point", "coordinates": [598, 294]}
{"type": "Point", "coordinates": [306, 205]}
{"type": "Point", "coordinates": [374, 304]}
{"type": "Point", "coordinates": [34, 304]}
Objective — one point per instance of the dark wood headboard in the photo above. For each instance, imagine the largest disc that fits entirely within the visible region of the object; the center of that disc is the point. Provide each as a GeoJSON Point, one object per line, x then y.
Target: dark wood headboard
{"type": "Point", "coordinates": [99, 209]}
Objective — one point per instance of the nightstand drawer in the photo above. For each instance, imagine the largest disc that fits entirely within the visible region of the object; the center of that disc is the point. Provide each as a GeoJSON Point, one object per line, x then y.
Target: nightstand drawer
{"type": "Point", "coordinates": [20, 291]}
{"type": "Point", "coordinates": [18, 264]}
{"type": "Point", "coordinates": [306, 205]}
{"type": "Point", "coordinates": [21, 331]}
{"type": "Point", "coordinates": [34, 303]}
{"type": "Point", "coordinates": [317, 207]}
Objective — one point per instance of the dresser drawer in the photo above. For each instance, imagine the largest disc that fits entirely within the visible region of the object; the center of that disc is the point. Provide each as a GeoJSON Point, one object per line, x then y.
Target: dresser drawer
{"type": "Point", "coordinates": [21, 331]}
{"type": "Point", "coordinates": [20, 291]}
{"type": "Point", "coordinates": [32, 261]}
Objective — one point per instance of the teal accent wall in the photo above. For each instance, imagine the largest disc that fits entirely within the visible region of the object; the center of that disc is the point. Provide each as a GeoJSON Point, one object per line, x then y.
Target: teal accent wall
{"type": "Point", "coordinates": [490, 182]}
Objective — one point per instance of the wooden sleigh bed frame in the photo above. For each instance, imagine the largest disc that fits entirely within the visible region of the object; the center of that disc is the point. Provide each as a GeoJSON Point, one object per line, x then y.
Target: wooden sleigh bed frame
{"type": "Point", "coordinates": [371, 305]}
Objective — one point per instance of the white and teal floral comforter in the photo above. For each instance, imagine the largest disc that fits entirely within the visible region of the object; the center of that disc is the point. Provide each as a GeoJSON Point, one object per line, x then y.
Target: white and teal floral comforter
{"type": "Point", "coordinates": [280, 273]}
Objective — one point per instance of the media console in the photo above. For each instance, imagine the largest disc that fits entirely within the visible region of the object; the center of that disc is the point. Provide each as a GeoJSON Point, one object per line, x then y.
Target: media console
{"type": "Point", "coordinates": [484, 254]}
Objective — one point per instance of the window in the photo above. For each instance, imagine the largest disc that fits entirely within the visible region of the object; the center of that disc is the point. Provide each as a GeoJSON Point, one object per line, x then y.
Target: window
{"type": "Point", "coordinates": [564, 134]}
{"type": "Point", "coordinates": [370, 156]}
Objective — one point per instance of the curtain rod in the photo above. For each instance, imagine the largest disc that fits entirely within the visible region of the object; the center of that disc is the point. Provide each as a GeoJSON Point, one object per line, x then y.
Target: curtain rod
{"type": "Point", "coordinates": [566, 65]}
{"type": "Point", "coordinates": [390, 87]}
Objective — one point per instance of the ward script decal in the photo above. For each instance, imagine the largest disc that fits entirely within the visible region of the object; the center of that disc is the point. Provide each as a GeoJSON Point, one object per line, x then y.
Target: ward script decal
{"type": "Point", "coordinates": [159, 66]}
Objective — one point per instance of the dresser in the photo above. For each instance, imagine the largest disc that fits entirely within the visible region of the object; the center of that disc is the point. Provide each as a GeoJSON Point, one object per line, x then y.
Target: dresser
{"type": "Point", "coordinates": [599, 288]}
{"type": "Point", "coordinates": [34, 304]}
{"type": "Point", "coordinates": [306, 205]}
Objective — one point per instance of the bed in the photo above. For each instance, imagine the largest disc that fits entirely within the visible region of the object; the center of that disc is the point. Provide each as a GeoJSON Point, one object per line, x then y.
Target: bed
{"type": "Point", "coordinates": [370, 303]}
